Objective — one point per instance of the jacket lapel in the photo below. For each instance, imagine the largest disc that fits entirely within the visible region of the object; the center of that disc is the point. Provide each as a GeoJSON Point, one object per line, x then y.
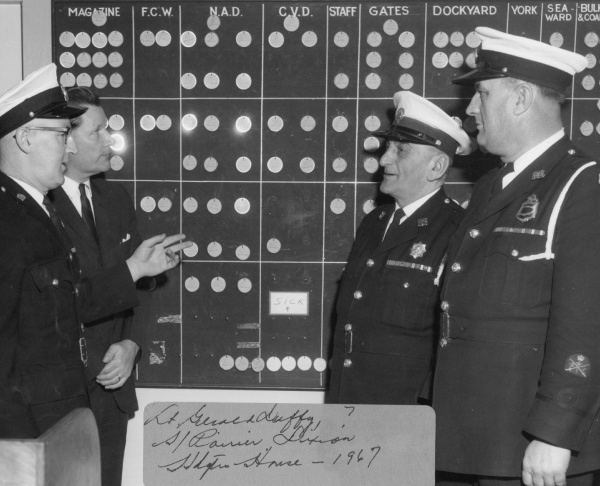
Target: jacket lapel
{"type": "Point", "coordinates": [72, 218]}
{"type": "Point", "coordinates": [103, 223]}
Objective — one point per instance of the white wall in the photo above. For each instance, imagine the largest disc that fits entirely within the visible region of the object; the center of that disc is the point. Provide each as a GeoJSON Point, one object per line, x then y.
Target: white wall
{"type": "Point", "coordinates": [11, 54]}
{"type": "Point", "coordinates": [133, 467]}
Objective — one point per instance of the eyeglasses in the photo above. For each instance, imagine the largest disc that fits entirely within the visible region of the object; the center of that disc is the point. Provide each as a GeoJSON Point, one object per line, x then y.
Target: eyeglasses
{"type": "Point", "coordinates": [64, 131]}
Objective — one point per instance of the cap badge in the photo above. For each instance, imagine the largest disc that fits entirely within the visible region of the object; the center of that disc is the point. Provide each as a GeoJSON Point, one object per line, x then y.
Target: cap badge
{"type": "Point", "coordinates": [538, 174]}
{"type": "Point", "coordinates": [399, 115]}
{"type": "Point", "coordinates": [578, 364]}
{"type": "Point", "coordinates": [528, 209]}
{"type": "Point", "coordinates": [21, 197]}
{"type": "Point", "coordinates": [382, 215]}
{"type": "Point", "coordinates": [65, 93]}
{"type": "Point", "coordinates": [422, 222]}
{"type": "Point", "coordinates": [418, 250]}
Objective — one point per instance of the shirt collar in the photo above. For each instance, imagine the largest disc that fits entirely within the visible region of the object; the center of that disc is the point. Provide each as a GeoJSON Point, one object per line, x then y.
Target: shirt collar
{"type": "Point", "coordinates": [71, 188]}
{"type": "Point", "coordinates": [528, 157]}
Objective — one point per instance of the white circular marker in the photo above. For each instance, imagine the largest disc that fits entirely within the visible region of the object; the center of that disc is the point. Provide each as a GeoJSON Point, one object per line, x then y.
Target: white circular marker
{"type": "Point", "coordinates": [274, 245]}
{"type": "Point", "coordinates": [189, 162]}
{"type": "Point", "coordinates": [191, 251]}
{"type": "Point", "coordinates": [99, 18]}
{"type": "Point", "coordinates": [242, 252]}
{"type": "Point", "coordinates": [210, 164]}
{"type": "Point", "coordinates": [440, 40]}
{"type": "Point", "coordinates": [440, 60]}
{"type": "Point", "coordinates": [116, 122]}
{"type": "Point", "coordinates": [371, 165]}
{"type": "Point", "coordinates": [390, 27]}
{"type": "Point", "coordinates": [116, 80]}
{"type": "Point", "coordinates": [211, 123]}
{"type": "Point", "coordinates": [163, 122]}
{"type": "Point", "coordinates": [188, 81]}
{"type": "Point", "coordinates": [83, 40]}
{"type": "Point", "coordinates": [115, 59]}
{"type": "Point", "coordinates": [368, 206]}
{"type": "Point", "coordinates": [457, 39]}
{"type": "Point", "coordinates": [473, 40]}
{"type": "Point", "coordinates": [84, 79]}
{"type": "Point", "coordinates": [67, 80]}
{"type": "Point", "coordinates": [276, 39]}
{"type": "Point", "coordinates": [371, 144]}
{"type": "Point", "coordinates": [291, 23]}
{"type": "Point", "coordinates": [99, 40]}
{"type": "Point", "coordinates": [308, 123]}
{"type": "Point", "coordinates": [341, 81]}
{"type": "Point", "coordinates": [406, 81]}
{"type": "Point", "coordinates": [341, 39]}
{"type": "Point", "coordinates": [472, 60]}
{"type": "Point", "coordinates": [242, 363]}
{"type": "Point", "coordinates": [164, 204]}
{"type": "Point", "coordinates": [372, 123]}
{"type": "Point", "coordinates": [557, 39]}
{"type": "Point", "coordinates": [67, 60]}
{"type": "Point", "coordinates": [337, 206]}
{"type": "Point", "coordinates": [309, 38]}
{"type": "Point", "coordinates": [100, 81]}
{"type": "Point", "coordinates": [591, 39]}
{"type": "Point", "coordinates": [243, 81]}
{"type": "Point", "coordinates": [258, 364]}
{"type": "Point", "coordinates": [66, 39]}
{"type": "Point", "coordinates": [340, 124]}
{"type": "Point", "coordinates": [406, 39]}
{"type": "Point", "coordinates": [147, 122]}
{"type": "Point", "coordinates": [211, 39]}
{"type": "Point", "coordinates": [192, 284]}
{"type": "Point", "coordinates": [115, 38]}
{"type": "Point", "coordinates": [304, 363]}
{"type": "Point", "coordinates": [190, 205]}
{"type": "Point", "coordinates": [211, 80]}
{"type": "Point", "coordinates": [99, 60]}
{"type": "Point", "coordinates": [148, 204]}
{"type": "Point", "coordinates": [598, 128]}
{"type": "Point", "coordinates": [244, 285]}
{"type": "Point", "coordinates": [288, 363]}
{"type": "Point", "coordinates": [406, 60]}
{"type": "Point", "coordinates": [163, 38]}
{"type": "Point", "coordinates": [188, 39]}
{"type": "Point", "coordinates": [307, 165]}
{"type": "Point", "coordinates": [84, 59]}
{"type": "Point", "coordinates": [275, 123]}
{"type": "Point", "coordinates": [339, 165]}
{"type": "Point", "coordinates": [218, 284]}
{"type": "Point", "coordinates": [374, 39]}
{"type": "Point", "coordinates": [243, 124]}
{"type": "Point", "coordinates": [226, 362]}
{"type": "Point", "coordinates": [373, 59]}
{"type": "Point", "coordinates": [588, 82]}
{"type": "Point", "coordinates": [118, 142]}
{"type": "Point", "coordinates": [320, 365]}
{"type": "Point", "coordinates": [586, 128]}
{"type": "Point", "coordinates": [214, 249]}
{"type": "Point", "coordinates": [372, 81]}
{"type": "Point", "coordinates": [275, 164]}
{"type": "Point", "coordinates": [243, 164]}
{"type": "Point", "coordinates": [116, 163]}
{"type": "Point", "coordinates": [189, 122]}
{"type": "Point", "coordinates": [456, 59]}
{"type": "Point", "coordinates": [214, 206]}
{"type": "Point", "coordinates": [213, 22]}
{"type": "Point", "coordinates": [147, 38]}
{"type": "Point", "coordinates": [273, 364]}
{"type": "Point", "coordinates": [243, 39]}
{"type": "Point", "coordinates": [242, 205]}
{"type": "Point", "coordinates": [592, 61]}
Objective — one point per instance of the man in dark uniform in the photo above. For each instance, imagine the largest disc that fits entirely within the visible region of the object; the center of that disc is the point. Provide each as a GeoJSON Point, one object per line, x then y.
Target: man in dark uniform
{"type": "Point", "coordinates": [100, 220]}
{"type": "Point", "coordinates": [388, 300]}
{"type": "Point", "coordinates": [44, 300]}
{"type": "Point", "coordinates": [517, 379]}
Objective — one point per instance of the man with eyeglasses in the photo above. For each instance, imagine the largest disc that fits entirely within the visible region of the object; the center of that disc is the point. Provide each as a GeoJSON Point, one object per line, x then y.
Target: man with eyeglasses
{"type": "Point", "coordinates": [42, 344]}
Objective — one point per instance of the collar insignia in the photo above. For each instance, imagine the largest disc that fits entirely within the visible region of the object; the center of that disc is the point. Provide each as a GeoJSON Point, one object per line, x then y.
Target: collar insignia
{"type": "Point", "coordinates": [528, 209]}
{"type": "Point", "coordinates": [21, 197]}
{"type": "Point", "coordinates": [422, 222]}
{"type": "Point", "coordinates": [538, 174]}
{"type": "Point", "coordinates": [418, 250]}
{"type": "Point", "coordinates": [382, 215]}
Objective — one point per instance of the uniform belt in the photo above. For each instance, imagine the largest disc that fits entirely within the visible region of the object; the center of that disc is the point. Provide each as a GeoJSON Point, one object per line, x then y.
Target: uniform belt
{"type": "Point", "coordinates": [508, 332]}
{"type": "Point", "coordinates": [386, 343]}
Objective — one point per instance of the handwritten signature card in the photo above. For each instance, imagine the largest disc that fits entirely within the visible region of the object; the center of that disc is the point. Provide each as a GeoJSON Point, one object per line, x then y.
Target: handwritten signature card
{"type": "Point", "coordinates": [270, 444]}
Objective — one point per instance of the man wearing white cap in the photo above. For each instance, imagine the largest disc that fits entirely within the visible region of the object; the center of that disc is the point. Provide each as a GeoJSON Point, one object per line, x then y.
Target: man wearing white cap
{"type": "Point", "coordinates": [42, 345]}
{"type": "Point", "coordinates": [517, 380]}
{"type": "Point", "coordinates": [387, 308]}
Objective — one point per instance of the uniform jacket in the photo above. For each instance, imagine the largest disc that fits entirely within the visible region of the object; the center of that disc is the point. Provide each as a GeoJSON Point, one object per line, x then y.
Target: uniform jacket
{"type": "Point", "coordinates": [519, 354]}
{"type": "Point", "coordinates": [387, 306]}
{"type": "Point", "coordinates": [118, 237]}
{"type": "Point", "coordinates": [43, 303]}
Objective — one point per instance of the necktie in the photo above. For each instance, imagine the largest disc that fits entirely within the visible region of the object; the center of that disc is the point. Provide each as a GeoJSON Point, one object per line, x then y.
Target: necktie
{"type": "Point", "coordinates": [86, 211]}
{"type": "Point", "coordinates": [395, 224]}
{"type": "Point", "coordinates": [57, 222]}
{"type": "Point", "coordinates": [497, 187]}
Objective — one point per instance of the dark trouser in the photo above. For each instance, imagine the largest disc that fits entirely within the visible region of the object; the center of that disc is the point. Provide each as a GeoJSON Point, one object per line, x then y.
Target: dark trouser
{"type": "Point", "coordinates": [112, 429]}
{"type": "Point", "coordinates": [451, 479]}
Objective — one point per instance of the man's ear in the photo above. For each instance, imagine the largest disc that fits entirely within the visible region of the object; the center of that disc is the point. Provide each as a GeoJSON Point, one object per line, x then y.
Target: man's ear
{"type": "Point", "coordinates": [21, 136]}
{"type": "Point", "coordinates": [438, 167]}
{"type": "Point", "coordinates": [524, 97]}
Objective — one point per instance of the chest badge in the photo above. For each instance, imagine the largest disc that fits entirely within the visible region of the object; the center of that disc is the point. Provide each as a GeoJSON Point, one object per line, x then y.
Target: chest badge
{"type": "Point", "coordinates": [528, 209]}
{"type": "Point", "coordinates": [418, 250]}
{"type": "Point", "coordinates": [422, 222]}
{"type": "Point", "coordinates": [20, 197]}
{"type": "Point", "coordinates": [538, 174]}
{"type": "Point", "coordinates": [578, 365]}
{"type": "Point", "coordinates": [381, 215]}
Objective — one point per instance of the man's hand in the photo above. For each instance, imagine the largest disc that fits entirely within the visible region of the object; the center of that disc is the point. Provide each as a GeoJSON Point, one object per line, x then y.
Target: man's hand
{"type": "Point", "coordinates": [156, 255]}
{"type": "Point", "coordinates": [545, 465]}
{"type": "Point", "coordinates": [119, 360]}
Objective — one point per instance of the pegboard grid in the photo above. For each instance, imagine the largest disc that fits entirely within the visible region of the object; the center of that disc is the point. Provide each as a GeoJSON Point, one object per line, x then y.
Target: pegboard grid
{"type": "Point", "coordinates": [313, 209]}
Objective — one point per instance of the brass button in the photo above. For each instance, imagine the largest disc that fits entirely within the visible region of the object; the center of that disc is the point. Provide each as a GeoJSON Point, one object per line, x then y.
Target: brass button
{"type": "Point", "coordinates": [3, 189]}
{"type": "Point", "coordinates": [456, 267]}
{"type": "Point", "coordinates": [474, 233]}
{"type": "Point", "coordinates": [347, 363]}
{"type": "Point", "coordinates": [77, 291]}
{"type": "Point", "coordinates": [406, 285]}
{"type": "Point", "coordinates": [515, 253]}
{"type": "Point", "coordinates": [358, 295]}
{"type": "Point", "coordinates": [445, 306]}
{"type": "Point", "coordinates": [447, 201]}
{"type": "Point", "coordinates": [370, 262]}
{"type": "Point", "coordinates": [55, 282]}
{"type": "Point", "coordinates": [571, 152]}
{"type": "Point", "coordinates": [348, 327]}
